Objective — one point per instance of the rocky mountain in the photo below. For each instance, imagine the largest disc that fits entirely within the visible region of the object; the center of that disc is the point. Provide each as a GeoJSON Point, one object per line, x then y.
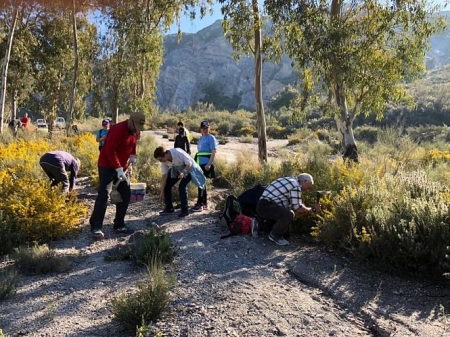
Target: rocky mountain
{"type": "Point", "coordinates": [201, 68]}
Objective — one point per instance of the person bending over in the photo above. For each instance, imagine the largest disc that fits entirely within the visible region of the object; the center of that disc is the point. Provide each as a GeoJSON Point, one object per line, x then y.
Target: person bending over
{"type": "Point", "coordinates": [281, 201]}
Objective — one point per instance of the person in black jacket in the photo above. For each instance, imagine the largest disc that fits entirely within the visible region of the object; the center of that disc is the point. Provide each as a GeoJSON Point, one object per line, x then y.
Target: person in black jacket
{"type": "Point", "coordinates": [182, 141]}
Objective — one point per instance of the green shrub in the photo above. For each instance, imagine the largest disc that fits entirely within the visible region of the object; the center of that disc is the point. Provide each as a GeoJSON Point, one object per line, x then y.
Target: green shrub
{"type": "Point", "coordinates": [368, 134]}
{"type": "Point", "coordinates": [147, 303]}
{"type": "Point", "coordinates": [148, 248]}
{"type": "Point", "coordinates": [8, 281]}
{"type": "Point", "coordinates": [39, 259]}
{"type": "Point", "coordinates": [246, 140]}
{"type": "Point", "coordinates": [401, 220]}
{"type": "Point", "coordinates": [154, 246]}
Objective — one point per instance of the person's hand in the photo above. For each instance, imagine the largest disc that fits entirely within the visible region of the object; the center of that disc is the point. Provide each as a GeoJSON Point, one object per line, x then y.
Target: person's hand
{"type": "Point", "coordinates": [207, 167]}
{"type": "Point", "coordinates": [133, 159]}
{"type": "Point", "coordinates": [120, 174]}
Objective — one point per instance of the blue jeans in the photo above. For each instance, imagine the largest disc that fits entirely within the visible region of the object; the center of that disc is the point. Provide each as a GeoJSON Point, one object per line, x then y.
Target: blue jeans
{"type": "Point", "coordinates": [182, 190]}
{"type": "Point", "coordinates": [107, 176]}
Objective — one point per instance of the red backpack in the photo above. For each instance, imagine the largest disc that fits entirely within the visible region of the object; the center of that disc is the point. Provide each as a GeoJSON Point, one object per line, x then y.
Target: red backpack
{"type": "Point", "coordinates": [241, 224]}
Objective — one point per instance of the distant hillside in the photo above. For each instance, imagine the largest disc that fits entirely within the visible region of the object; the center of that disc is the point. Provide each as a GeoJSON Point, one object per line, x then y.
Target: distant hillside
{"type": "Point", "coordinates": [201, 68]}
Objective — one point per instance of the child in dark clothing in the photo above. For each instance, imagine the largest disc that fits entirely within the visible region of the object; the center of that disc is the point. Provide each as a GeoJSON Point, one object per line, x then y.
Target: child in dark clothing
{"type": "Point", "coordinates": [182, 141]}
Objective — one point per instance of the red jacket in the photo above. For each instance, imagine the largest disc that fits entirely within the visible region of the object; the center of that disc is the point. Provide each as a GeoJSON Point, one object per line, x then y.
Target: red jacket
{"type": "Point", "coordinates": [118, 147]}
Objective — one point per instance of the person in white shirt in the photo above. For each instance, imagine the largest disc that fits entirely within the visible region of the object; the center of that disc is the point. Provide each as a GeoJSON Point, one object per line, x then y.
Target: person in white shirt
{"type": "Point", "coordinates": [177, 165]}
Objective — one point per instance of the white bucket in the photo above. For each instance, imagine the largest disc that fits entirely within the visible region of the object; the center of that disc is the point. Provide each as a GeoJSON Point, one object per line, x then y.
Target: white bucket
{"type": "Point", "coordinates": [137, 192]}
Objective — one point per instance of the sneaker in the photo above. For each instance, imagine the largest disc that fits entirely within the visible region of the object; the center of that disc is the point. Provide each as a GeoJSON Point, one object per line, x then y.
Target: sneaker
{"type": "Point", "coordinates": [205, 207]}
{"type": "Point", "coordinates": [166, 211]}
{"type": "Point", "coordinates": [182, 214]}
{"type": "Point", "coordinates": [254, 227]}
{"type": "Point", "coordinates": [278, 241]}
{"type": "Point", "coordinates": [197, 208]}
{"type": "Point", "coordinates": [97, 234]}
{"type": "Point", "coordinates": [124, 230]}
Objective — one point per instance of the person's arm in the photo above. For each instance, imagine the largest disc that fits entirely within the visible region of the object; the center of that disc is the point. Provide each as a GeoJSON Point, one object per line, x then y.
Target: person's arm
{"type": "Point", "coordinates": [211, 160]}
{"type": "Point", "coordinates": [213, 146]}
{"type": "Point", "coordinates": [99, 138]}
{"type": "Point", "coordinates": [188, 145]}
{"type": "Point", "coordinates": [297, 205]}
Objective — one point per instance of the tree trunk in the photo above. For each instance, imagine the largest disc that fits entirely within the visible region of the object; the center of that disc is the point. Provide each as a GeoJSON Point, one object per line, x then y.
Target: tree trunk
{"type": "Point", "coordinates": [5, 66]}
{"type": "Point", "coordinates": [75, 70]}
{"type": "Point", "coordinates": [14, 105]}
{"type": "Point", "coordinates": [260, 116]}
{"type": "Point", "coordinates": [344, 123]}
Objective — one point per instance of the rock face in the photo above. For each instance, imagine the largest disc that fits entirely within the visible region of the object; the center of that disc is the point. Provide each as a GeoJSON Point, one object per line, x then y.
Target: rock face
{"type": "Point", "coordinates": [201, 67]}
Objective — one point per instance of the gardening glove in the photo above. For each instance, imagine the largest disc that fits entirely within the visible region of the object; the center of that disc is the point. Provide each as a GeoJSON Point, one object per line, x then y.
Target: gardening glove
{"type": "Point", "coordinates": [120, 174]}
{"type": "Point", "coordinates": [133, 159]}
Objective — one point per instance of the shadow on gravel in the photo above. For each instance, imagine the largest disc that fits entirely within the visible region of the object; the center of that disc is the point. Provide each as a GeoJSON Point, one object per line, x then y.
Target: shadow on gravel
{"type": "Point", "coordinates": [389, 304]}
{"type": "Point", "coordinates": [380, 298]}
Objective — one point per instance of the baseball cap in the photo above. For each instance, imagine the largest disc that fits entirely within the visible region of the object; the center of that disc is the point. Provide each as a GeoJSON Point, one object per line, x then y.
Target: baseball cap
{"type": "Point", "coordinates": [204, 124]}
{"type": "Point", "coordinates": [105, 122]}
{"type": "Point", "coordinates": [138, 119]}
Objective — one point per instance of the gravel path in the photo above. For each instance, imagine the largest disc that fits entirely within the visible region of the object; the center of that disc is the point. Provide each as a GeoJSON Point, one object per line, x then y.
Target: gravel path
{"type": "Point", "coordinates": [239, 286]}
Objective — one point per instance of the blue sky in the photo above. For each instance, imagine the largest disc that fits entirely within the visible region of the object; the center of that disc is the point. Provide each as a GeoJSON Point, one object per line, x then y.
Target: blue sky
{"type": "Point", "coordinates": [189, 26]}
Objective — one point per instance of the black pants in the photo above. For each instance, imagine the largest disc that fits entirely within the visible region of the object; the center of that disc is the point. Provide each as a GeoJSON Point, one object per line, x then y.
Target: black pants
{"type": "Point", "coordinates": [107, 177]}
{"type": "Point", "coordinates": [57, 174]}
{"type": "Point", "coordinates": [202, 198]}
{"type": "Point", "coordinates": [283, 216]}
{"type": "Point", "coordinates": [182, 190]}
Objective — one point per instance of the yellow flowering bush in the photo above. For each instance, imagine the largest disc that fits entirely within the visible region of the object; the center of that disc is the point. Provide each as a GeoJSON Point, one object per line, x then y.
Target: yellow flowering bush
{"type": "Point", "coordinates": [35, 212]}
{"type": "Point", "coordinates": [31, 211]}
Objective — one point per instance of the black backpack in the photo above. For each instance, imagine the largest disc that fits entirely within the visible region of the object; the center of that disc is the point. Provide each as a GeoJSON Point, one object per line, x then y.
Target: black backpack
{"type": "Point", "coordinates": [249, 198]}
{"type": "Point", "coordinates": [231, 210]}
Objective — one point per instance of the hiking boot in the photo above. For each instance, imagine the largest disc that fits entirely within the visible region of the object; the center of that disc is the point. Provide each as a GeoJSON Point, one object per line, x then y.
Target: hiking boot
{"type": "Point", "coordinates": [182, 214]}
{"type": "Point", "coordinates": [254, 227]}
{"type": "Point", "coordinates": [166, 211]}
{"type": "Point", "coordinates": [124, 230]}
{"type": "Point", "coordinates": [97, 234]}
{"type": "Point", "coordinates": [278, 241]}
{"type": "Point", "coordinates": [197, 208]}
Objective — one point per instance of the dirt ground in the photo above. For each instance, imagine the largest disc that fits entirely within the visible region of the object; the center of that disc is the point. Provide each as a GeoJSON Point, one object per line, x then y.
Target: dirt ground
{"type": "Point", "coordinates": [239, 286]}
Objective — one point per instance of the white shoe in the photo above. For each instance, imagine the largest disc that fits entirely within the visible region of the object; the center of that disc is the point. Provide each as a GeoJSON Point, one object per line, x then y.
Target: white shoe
{"type": "Point", "coordinates": [279, 242]}
{"type": "Point", "coordinates": [254, 227]}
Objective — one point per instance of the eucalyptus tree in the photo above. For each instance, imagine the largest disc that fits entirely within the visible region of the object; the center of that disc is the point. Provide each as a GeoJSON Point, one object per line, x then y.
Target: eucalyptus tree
{"type": "Point", "coordinates": [11, 29]}
{"type": "Point", "coordinates": [242, 26]}
{"type": "Point", "coordinates": [54, 63]}
{"type": "Point", "coordinates": [133, 51]}
{"type": "Point", "coordinates": [357, 53]}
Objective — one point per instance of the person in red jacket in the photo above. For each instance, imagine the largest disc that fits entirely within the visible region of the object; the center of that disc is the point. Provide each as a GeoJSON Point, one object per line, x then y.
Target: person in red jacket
{"type": "Point", "coordinates": [117, 155]}
{"type": "Point", "coordinates": [25, 120]}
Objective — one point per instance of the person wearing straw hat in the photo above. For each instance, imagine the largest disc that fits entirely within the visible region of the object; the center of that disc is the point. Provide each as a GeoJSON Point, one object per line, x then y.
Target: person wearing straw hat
{"type": "Point", "coordinates": [117, 156]}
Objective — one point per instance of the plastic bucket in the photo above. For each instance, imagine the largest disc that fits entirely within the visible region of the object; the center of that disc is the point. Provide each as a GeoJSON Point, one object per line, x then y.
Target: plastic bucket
{"type": "Point", "coordinates": [137, 192]}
